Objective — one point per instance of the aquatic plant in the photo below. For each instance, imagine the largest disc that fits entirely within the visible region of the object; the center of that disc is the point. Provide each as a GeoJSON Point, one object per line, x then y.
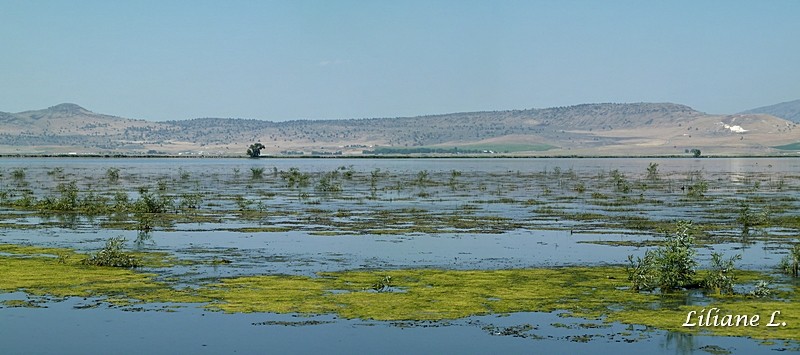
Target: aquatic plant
{"type": "Point", "coordinates": [748, 219]}
{"type": "Point", "coordinates": [453, 182]}
{"type": "Point", "coordinates": [18, 174]}
{"type": "Point", "coordinates": [642, 272]}
{"type": "Point", "coordinates": [373, 183]}
{"type": "Point", "coordinates": [242, 203]}
{"type": "Point", "coordinates": [294, 178]}
{"type": "Point", "coordinates": [150, 203]}
{"type": "Point", "coordinates": [761, 289]}
{"type": "Point", "coordinates": [698, 189]}
{"type": "Point", "coordinates": [423, 178]}
{"type": "Point", "coordinates": [256, 173]}
{"type": "Point", "coordinates": [652, 171]}
{"type": "Point", "coordinates": [383, 284]}
{"type": "Point", "coordinates": [328, 184]}
{"type": "Point", "coordinates": [348, 172]}
{"type": "Point", "coordinates": [721, 276]}
{"type": "Point", "coordinates": [57, 172]}
{"type": "Point", "coordinates": [112, 174]}
{"type": "Point", "coordinates": [669, 267]}
{"type": "Point", "coordinates": [190, 201]}
{"type": "Point", "coordinates": [112, 255]}
{"type": "Point", "coordinates": [790, 264]}
{"type": "Point", "coordinates": [619, 181]}
{"type": "Point", "coordinates": [185, 175]}
{"type": "Point", "coordinates": [121, 201]}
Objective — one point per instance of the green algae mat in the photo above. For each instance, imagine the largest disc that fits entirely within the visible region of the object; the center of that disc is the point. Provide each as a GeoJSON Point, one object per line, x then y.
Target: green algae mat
{"type": "Point", "coordinates": [407, 294]}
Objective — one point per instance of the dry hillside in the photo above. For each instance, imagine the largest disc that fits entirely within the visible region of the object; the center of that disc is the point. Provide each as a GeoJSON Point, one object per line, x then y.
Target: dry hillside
{"type": "Point", "coordinates": [588, 129]}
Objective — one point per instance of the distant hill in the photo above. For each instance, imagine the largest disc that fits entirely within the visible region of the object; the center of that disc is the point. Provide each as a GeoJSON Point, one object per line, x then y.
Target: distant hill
{"type": "Point", "coordinates": [789, 110]}
{"type": "Point", "coordinates": [588, 129]}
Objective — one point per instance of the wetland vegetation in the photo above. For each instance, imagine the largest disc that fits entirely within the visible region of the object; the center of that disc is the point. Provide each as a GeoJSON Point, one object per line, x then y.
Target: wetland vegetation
{"type": "Point", "coordinates": [631, 241]}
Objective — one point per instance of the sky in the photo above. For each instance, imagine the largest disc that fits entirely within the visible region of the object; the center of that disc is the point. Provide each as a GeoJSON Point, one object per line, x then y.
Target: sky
{"type": "Point", "coordinates": [297, 59]}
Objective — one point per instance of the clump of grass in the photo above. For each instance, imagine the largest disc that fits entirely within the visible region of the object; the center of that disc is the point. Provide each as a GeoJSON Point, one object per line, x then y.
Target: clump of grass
{"type": "Point", "coordinates": [112, 255]}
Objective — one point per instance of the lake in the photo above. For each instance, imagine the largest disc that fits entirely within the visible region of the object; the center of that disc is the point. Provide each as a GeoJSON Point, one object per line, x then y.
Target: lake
{"type": "Point", "coordinates": [384, 255]}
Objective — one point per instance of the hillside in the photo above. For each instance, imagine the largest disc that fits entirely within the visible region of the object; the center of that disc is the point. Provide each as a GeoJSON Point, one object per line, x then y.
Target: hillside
{"type": "Point", "coordinates": [787, 110]}
{"type": "Point", "coordinates": [588, 129]}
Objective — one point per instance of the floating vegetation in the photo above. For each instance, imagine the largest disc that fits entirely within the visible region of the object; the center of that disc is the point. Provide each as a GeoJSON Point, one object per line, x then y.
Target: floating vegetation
{"type": "Point", "coordinates": [429, 294]}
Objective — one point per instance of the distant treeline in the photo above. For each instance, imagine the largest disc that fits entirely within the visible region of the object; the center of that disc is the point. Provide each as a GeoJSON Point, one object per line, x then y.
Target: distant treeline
{"type": "Point", "coordinates": [422, 150]}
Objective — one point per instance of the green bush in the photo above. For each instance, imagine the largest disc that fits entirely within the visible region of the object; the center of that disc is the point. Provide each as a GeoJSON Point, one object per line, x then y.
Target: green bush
{"type": "Point", "coordinates": [721, 278]}
{"type": "Point", "coordinates": [149, 203]}
{"type": "Point", "coordinates": [112, 174]}
{"type": "Point", "coordinates": [761, 290]}
{"type": "Point", "coordinates": [748, 219]}
{"type": "Point", "coordinates": [642, 272]}
{"type": "Point", "coordinates": [669, 267]}
{"type": "Point", "coordinates": [112, 255]}
{"type": "Point", "coordinates": [652, 171]}
{"type": "Point", "coordinates": [790, 264]}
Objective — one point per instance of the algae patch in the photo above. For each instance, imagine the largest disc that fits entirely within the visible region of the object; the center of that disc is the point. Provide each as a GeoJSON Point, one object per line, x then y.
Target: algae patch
{"type": "Point", "coordinates": [411, 294]}
{"type": "Point", "coordinates": [38, 271]}
{"type": "Point", "coordinates": [431, 294]}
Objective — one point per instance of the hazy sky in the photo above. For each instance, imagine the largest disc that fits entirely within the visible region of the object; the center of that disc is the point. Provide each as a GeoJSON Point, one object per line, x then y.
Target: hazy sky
{"type": "Point", "coordinates": [281, 60]}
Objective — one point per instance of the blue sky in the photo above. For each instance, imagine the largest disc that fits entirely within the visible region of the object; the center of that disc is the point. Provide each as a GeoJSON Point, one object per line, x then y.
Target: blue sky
{"type": "Point", "coordinates": [280, 60]}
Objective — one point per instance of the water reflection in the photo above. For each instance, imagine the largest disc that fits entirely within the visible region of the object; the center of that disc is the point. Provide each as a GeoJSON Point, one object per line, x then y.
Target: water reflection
{"type": "Point", "coordinates": [681, 343]}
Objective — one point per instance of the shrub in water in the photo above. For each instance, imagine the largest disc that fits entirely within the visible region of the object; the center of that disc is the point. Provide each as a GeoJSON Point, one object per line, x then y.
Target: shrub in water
{"type": "Point", "coordinates": [720, 278]}
{"type": "Point", "coordinates": [113, 255]}
{"type": "Point", "coordinates": [790, 264]}
{"type": "Point", "coordinates": [669, 267]}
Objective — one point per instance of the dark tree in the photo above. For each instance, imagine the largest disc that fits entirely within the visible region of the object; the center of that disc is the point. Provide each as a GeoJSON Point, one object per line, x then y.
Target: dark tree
{"type": "Point", "coordinates": [255, 150]}
{"type": "Point", "coordinates": [695, 152]}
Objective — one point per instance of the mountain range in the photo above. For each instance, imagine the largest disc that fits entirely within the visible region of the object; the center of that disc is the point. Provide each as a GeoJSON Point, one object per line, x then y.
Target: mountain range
{"type": "Point", "coordinates": [607, 129]}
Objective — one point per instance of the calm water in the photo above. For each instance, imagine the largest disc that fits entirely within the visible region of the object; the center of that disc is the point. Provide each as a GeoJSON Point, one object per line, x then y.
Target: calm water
{"type": "Point", "coordinates": [518, 191]}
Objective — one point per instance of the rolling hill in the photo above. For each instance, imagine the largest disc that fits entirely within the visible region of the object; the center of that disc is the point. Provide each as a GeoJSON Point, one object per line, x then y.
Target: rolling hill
{"type": "Point", "coordinates": [587, 129]}
{"type": "Point", "coordinates": [787, 110]}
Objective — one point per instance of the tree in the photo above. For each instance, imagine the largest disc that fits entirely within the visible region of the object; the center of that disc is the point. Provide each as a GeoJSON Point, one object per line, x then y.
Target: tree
{"type": "Point", "coordinates": [695, 152]}
{"type": "Point", "coordinates": [255, 150]}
